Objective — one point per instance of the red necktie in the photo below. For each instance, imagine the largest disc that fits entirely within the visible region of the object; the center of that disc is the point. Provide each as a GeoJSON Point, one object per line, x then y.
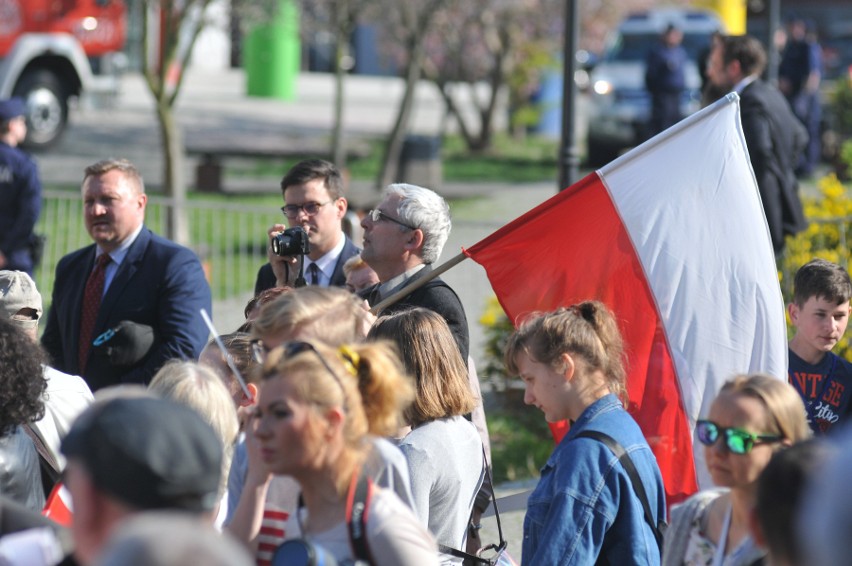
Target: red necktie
{"type": "Point", "coordinates": [91, 305]}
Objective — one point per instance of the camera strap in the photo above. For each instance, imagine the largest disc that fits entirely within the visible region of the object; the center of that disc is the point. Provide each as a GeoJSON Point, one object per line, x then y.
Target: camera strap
{"type": "Point", "coordinates": [357, 513]}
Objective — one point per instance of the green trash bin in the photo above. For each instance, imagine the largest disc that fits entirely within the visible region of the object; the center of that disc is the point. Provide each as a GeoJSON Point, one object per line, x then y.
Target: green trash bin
{"type": "Point", "coordinates": [272, 55]}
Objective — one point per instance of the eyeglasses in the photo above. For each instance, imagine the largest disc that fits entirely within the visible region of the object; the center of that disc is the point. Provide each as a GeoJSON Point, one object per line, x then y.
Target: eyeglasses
{"type": "Point", "coordinates": [737, 440]}
{"type": "Point", "coordinates": [377, 215]}
{"type": "Point", "coordinates": [310, 208]}
{"type": "Point", "coordinates": [292, 349]}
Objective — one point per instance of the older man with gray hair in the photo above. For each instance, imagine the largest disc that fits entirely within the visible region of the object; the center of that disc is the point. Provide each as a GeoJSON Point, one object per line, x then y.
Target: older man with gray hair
{"type": "Point", "coordinates": [403, 236]}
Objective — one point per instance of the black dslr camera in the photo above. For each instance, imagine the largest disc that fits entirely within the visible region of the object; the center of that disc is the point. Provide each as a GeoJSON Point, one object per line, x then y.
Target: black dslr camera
{"type": "Point", "coordinates": [292, 241]}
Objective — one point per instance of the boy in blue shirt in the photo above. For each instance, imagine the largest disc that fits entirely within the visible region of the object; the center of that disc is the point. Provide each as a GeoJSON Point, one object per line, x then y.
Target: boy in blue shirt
{"type": "Point", "coordinates": [820, 313]}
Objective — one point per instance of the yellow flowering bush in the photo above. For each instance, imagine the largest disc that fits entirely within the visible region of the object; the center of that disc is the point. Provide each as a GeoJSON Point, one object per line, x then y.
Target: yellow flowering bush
{"type": "Point", "coordinates": [497, 329]}
{"type": "Point", "coordinates": [828, 236]}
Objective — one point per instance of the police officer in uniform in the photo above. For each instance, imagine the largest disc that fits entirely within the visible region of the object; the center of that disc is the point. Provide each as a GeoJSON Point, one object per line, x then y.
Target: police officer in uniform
{"type": "Point", "coordinates": [20, 190]}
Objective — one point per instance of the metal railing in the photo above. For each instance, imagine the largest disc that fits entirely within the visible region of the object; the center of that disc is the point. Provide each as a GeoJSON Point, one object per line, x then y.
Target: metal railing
{"type": "Point", "coordinates": [229, 238]}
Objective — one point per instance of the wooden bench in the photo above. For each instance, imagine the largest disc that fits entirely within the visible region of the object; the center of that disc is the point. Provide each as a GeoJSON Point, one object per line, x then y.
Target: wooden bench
{"type": "Point", "coordinates": [208, 172]}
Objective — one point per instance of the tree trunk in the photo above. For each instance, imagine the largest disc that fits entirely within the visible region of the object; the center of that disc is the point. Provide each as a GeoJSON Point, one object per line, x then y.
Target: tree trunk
{"type": "Point", "coordinates": [338, 148]}
{"type": "Point", "coordinates": [174, 185]}
{"type": "Point", "coordinates": [417, 25]}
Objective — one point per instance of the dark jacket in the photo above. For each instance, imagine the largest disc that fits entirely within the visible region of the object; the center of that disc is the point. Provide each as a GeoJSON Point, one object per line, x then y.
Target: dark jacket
{"type": "Point", "coordinates": [20, 206]}
{"type": "Point", "coordinates": [266, 277]}
{"type": "Point", "coordinates": [436, 296]}
{"type": "Point", "coordinates": [159, 284]}
{"type": "Point", "coordinates": [775, 139]}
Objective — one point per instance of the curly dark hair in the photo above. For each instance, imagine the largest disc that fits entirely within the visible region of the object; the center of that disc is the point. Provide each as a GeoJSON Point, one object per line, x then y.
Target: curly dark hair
{"type": "Point", "coordinates": [22, 380]}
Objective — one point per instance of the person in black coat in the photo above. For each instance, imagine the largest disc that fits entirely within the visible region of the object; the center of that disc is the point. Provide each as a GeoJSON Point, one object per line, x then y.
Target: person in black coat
{"type": "Point", "coordinates": [774, 136]}
{"type": "Point", "coordinates": [20, 190]}
{"type": "Point", "coordinates": [665, 79]}
{"type": "Point", "coordinates": [313, 199]}
{"type": "Point", "coordinates": [403, 237]}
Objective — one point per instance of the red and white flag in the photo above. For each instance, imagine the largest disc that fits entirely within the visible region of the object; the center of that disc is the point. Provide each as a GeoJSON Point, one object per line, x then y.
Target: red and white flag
{"type": "Point", "coordinates": [672, 237]}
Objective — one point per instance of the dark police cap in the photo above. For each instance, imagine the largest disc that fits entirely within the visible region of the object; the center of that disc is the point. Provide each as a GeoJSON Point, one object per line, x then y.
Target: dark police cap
{"type": "Point", "coordinates": [148, 453]}
{"type": "Point", "coordinates": [12, 108]}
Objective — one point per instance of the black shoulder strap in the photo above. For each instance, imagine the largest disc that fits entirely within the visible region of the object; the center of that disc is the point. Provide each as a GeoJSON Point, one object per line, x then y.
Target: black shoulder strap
{"type": "Point", "coordinates": [499, 547]}
{"type": "Point", "coordinates": [628, 466]}
{"type": "Point", "coordinates": [357, 511]}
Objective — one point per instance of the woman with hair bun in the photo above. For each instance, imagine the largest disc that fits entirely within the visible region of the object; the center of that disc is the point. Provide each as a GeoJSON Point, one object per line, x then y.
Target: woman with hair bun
{"type": "Point", "coordinates": [584, 509]}
{"type": "Point", "coordinates": [317, 409]}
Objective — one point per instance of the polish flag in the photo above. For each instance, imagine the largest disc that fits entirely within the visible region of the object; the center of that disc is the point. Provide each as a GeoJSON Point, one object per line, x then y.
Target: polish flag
{"type": "Point", "coordinates": [672, 237]}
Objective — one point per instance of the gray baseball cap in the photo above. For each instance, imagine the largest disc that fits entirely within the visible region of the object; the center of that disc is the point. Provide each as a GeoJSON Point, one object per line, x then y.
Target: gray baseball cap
{"type": "Point", "coordinates": [17, 292]}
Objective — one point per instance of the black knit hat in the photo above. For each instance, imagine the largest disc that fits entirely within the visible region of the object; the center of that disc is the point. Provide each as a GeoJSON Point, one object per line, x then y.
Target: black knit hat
{"type": "Point", "coordinates": [148, 453]}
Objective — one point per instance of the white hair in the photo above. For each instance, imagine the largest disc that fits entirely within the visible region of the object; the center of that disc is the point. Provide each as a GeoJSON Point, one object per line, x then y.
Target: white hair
{"type": "Point", "coordinates": [427, 210]}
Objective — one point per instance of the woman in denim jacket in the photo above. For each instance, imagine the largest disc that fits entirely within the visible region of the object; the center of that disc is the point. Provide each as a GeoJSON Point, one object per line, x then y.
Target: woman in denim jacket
{"type": "Point", "coordinates": [584, 510]}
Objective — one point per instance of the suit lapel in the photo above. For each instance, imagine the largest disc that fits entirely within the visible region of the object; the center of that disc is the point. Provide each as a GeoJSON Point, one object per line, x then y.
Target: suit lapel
{"type": "Point", "coordinates": [338, 279]}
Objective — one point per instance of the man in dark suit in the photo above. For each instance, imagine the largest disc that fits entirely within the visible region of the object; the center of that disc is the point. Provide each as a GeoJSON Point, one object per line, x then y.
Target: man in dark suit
{"type": "Point", "coordinates": [313, 199]}
{"type": "Point", "coordinates": [773, 134]}
{"type": "Point", "coordinates": [128, 274]}
{"type": "Point", "coordinates": [403, 237]}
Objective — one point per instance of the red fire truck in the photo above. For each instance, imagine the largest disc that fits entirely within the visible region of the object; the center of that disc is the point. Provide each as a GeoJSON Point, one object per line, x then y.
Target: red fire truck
{"type": "Point", "coordinates": [53, 50]}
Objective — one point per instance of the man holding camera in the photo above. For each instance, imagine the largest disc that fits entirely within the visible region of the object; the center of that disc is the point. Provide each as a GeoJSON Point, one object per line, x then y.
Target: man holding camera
{"type": "Point", "coordinates": [313, 201]}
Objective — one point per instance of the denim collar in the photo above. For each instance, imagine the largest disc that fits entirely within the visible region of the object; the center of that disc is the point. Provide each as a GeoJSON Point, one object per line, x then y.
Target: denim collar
{"type": "Point", "coordinates": [605, 404]}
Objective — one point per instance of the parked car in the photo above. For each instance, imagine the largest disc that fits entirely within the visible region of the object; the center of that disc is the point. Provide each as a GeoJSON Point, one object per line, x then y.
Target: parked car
{"type": "Point", "coordinates": [621, 107]}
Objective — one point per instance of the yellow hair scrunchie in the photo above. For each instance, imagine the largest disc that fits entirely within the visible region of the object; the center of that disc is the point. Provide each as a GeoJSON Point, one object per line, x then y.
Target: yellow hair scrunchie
{"type": "Point", "coordinates": [351, 359]}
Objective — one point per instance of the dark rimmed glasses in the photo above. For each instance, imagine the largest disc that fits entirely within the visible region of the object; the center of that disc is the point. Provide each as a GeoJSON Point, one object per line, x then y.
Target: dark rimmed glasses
{"type": "Point", "coordinates": [310, 208]}
{"type": "Point", "coordinates": [377, 215]}
{"type": "Point", "coordinates": [737, 440]}
{"type": "Point", "coordinates": [291, 349]}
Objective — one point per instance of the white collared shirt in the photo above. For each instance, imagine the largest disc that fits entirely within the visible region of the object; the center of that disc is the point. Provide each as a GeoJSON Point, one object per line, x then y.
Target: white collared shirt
{"type": "Point", "coordinates": [117, 256]}
{"type": "Point", "coordinates": [738, 88]}
{"type": "Point", "coordinates": [326, 263]}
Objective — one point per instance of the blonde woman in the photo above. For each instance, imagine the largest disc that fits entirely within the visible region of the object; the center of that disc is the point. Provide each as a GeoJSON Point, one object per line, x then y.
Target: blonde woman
{"type": "Point", "coordinates": [312, 424]}
{"type": "Point", "coordinates": [199, 388]}
{"type": "Point", "coordinates": [751, 418]}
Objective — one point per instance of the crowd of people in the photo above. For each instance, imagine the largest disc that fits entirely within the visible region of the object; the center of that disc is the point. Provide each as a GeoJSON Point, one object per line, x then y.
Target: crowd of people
{"type": "Point", "coordinates": [343, 418]}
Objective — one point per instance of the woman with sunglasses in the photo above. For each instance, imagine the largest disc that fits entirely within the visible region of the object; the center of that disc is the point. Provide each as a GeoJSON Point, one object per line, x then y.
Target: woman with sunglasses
{"type": "Point", "coordinates": [751, 418]}
{"type": "Point", "coordinates": [316, 408]}
{"type": "Point", "coordinates": [584, 509]}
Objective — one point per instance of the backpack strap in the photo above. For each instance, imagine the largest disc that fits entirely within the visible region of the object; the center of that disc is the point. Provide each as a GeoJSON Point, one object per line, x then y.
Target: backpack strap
{"type": "Point", "coordinates": [357, 512]}
{"type": "Point", "coordinates": [628, 466]}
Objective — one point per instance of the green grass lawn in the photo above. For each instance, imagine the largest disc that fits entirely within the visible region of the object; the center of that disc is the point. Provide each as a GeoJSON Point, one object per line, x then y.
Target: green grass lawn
{"type": "Point", "coordinates": [534, 159]}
